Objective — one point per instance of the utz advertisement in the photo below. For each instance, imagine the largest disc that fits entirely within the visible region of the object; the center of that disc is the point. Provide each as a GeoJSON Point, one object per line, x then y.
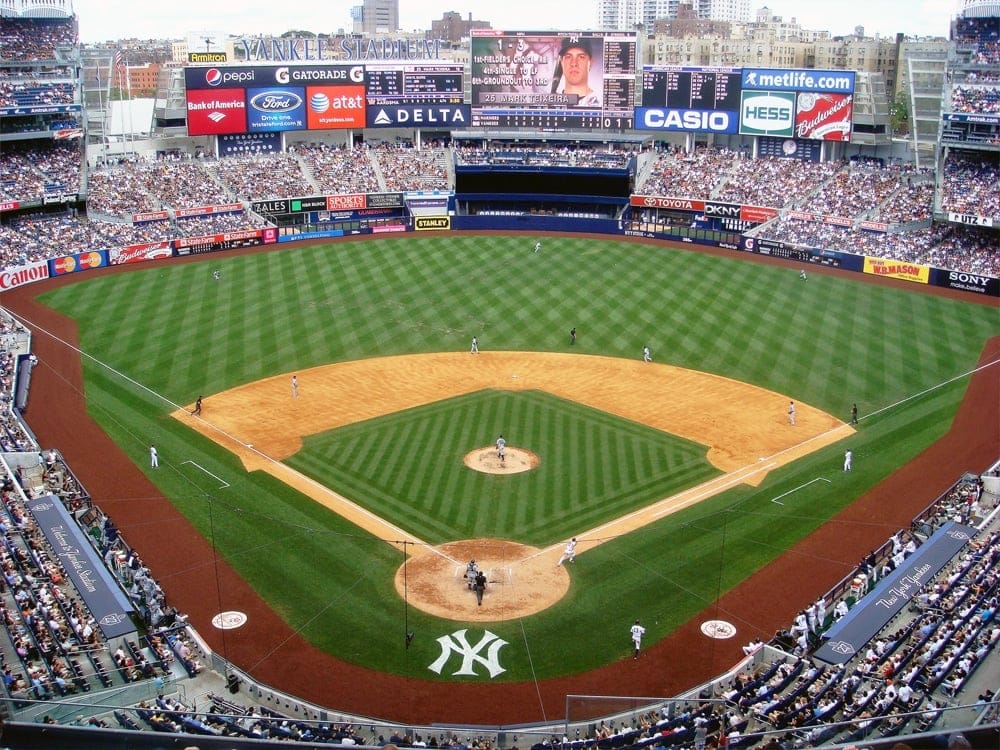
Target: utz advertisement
{"type": "Point", "coordinates": [537, 70]}
{"type": "Point", "coordinates": [824, 117]}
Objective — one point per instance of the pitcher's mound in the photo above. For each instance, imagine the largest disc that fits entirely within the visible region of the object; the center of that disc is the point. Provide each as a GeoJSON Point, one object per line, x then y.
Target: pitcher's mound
{"type": "Point", "coordinates": [486, 460]}
{"type": "Point", "coordinates": [520, 580]}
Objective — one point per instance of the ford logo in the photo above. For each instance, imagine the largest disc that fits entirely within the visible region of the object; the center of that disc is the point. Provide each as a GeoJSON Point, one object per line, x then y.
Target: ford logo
{"type": "Point", "coordinates": [276, 101]}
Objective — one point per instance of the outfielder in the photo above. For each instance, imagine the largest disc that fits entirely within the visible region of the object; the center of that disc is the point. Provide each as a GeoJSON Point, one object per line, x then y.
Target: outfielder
{"type": "Point", "coordinates": [638, 631]}
{"type": "Point", "coordinates": [646, 356]}
{"type": "Point", "coordinates": [475, 345]}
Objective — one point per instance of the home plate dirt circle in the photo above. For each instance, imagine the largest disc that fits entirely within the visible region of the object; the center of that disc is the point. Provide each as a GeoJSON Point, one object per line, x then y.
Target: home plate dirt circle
{"type": "Point", "coordinates": [516, 460]}
{"type": "Point", "coordinates": [521, 580]}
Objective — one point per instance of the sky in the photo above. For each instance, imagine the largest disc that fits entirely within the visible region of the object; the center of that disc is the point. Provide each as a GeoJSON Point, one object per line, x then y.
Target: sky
{"type": "Point", "coordinates": [103, 20]}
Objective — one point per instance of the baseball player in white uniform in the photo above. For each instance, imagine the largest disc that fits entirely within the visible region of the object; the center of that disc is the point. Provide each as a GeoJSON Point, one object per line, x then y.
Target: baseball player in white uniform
{"type": "Point", "coordinates": [475, 345]}
{"type": "Point", "coordinates": [501, 446]}
{"type": "Point", "coordinates": [791, 412]}
{"type": "Point", "coordinates": [569, 553]}
{"type": "Point", "coordinates": [646, 356]}
{"type": "Point", "coordinates": [638, 631]}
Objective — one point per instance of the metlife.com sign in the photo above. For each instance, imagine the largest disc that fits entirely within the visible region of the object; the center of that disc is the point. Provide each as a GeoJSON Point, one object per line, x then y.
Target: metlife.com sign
{"type": "Point", "coordinates": [797, 79]}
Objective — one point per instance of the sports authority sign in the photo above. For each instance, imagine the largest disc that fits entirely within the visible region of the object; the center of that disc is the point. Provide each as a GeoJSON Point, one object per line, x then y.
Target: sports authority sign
{"type": "Point", "coordinates": [767, 113]}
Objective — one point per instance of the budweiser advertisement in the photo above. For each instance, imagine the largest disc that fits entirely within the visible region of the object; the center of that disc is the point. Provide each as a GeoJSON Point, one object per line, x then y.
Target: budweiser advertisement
{"type": "Point", "coordinates": [138, 253]}
{"type": "Point", "coordinates": [824, 117]}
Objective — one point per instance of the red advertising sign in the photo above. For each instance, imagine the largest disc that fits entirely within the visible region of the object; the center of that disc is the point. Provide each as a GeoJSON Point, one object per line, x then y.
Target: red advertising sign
{"type": "Point", "coordinates": [137, 253]}
{"type": "Point", "coordinates": [656, 201]}
{"type": "Point", "coordinates": [149, 216]}
{"type": "Point", "coordinates": [269, 235]}
{"type": "Point", "coordinates": [757, 214]}
{"type": "Point", "coordinates": [9, 205]}
{"type": "Point", "coordinates": [216, 111]}
{"type": "Point", "coordinates": [345, 202]}
{"type": "Point", "coordinates": [824, 117]}
{"type": "Point", "coordinates": [184, 213]}
{"type": "Point", "coordinates": [14, 277]}
{"type": "Point", "coordinates": [335, 107]}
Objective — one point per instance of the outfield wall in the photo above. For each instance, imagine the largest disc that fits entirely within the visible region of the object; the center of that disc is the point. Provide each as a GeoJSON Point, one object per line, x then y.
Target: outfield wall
{"type": "Point", "coordinates": [885, 267]}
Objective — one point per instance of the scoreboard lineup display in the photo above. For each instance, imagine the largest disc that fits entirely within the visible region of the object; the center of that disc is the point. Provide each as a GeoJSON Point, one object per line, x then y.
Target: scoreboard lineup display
{"type": "Point", "coordinates": [692, 88]}
{"type": "Point", "coordinates": [553, 80]}
{"type": "Point", "coordinates": [417, 83]}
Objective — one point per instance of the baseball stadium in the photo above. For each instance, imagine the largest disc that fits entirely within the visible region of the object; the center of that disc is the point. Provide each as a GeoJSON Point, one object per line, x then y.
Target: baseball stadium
{"type": "Point", "coordinates": [404, 403]}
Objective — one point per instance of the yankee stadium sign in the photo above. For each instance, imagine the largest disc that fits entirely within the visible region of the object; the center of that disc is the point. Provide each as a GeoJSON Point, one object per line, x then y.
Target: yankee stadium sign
{"type": "Point", "coordinates": [275, 49]}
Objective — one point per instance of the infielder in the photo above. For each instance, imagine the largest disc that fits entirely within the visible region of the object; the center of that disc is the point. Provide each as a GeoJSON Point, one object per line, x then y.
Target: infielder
{"type": "Point", "coordinates": [646, 356]}
{"type": "Point", "coordinates": [475, 345]}
{"type": "Point", "coordinates": [295, 386]}
{"type": "Point", "coordinates": [848, 459]}
{"type": "Point", "coordinates": [791, 412]}
{"type": "Point", "coordinates": [569, 553]}
{"type": "Point", "coordinates": [154, 458]}
{"type": "Point", "coordinates": [638, 631]}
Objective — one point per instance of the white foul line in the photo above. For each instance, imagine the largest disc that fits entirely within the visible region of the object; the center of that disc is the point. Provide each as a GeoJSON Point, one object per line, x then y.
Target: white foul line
{"type": "Point", "coordinates": [796, 489]}
{"type": "Point", "coordinates": [221, 486]}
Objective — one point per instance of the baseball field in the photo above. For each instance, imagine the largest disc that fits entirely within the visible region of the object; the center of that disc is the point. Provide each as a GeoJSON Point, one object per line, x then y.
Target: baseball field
{"type": "Point", "coordinates": [350, 506]}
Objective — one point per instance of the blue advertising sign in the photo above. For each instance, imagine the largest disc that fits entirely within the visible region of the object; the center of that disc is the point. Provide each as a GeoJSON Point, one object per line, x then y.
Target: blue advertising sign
{"type": "Point", "coordinates": [83, 564]}
{"type": "Point", "coordinates": [686, 120]}
{"type": "Point", "coordinates": [794, 79]}
{"type": "Point", "coordinates": [418, 116]}
{"type": "Point", "coordinates": [273, 109]}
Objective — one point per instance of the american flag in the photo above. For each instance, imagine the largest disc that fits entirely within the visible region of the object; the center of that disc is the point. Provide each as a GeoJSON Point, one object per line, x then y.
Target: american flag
{"type": "Point", "coordinates": [119, 60]}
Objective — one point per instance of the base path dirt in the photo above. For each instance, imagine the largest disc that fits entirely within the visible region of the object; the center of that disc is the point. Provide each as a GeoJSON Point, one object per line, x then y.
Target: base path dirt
{"type": "Point", "coordinates": [746, 429]}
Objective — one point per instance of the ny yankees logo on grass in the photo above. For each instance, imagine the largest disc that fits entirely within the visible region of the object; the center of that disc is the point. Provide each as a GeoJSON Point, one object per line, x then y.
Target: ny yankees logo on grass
{"type": "Point", "coordinates": [457, 643]}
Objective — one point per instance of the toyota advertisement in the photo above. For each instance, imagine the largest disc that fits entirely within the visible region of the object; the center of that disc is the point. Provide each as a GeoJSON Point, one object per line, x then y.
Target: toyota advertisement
{"type": "Point", "coordinates": [262, 99]}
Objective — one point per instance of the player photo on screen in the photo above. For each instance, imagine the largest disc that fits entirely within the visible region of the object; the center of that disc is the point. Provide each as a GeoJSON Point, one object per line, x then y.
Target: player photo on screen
{"type": "Point", "coordinates": [537, 70]}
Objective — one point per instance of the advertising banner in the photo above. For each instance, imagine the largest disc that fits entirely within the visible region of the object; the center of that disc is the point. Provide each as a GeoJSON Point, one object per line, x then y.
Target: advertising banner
{"type": "Point", "coordinates": [796, 79]}
{"type": "Point", "coordinates": [430, 115]}
{"type": "Point", "coordinates": [702, 100]}
{"type": "Point", "coordinates": [425, 223]}
{"type": "Point", "coordinates": [79, 262]}
{"type": "Point", "coordinates": [897, 269]}
{"type": "Point", "coordinates": [26, 274]}
{"type": "Point", "coordinates": [139, 253]}
{"type": "Point", "coordinates": [276, 109]}
{"type": "Point", "coordinates": [677, 204]}
{"type": "Point", "coordinates": [686, 120]}
{"type": "Point", "coordinates": [216, 111]}
{"type": "Point", "coordinates": [764, 113]}
{"type": "Point", "coordinates": [148, 216]}
{"type": "Point", "coordinates": [971, 219]}
{"type": "Point", "coordinates": [226, 208]}
{"type": "Point", "coordinates": [335, 107]}
{"type": "Point", "coordinates": [824, 117]}
{"type": "Point", "coordinates": [9, 205]}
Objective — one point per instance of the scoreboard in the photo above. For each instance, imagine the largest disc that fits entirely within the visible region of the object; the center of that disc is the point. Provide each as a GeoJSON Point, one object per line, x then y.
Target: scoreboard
{"type": "Point", "coordinates": [414, 83]}
{"type": "Point", "coordinates": [519, 80]}
{"type": "Point", "coordinates": [691, 88]}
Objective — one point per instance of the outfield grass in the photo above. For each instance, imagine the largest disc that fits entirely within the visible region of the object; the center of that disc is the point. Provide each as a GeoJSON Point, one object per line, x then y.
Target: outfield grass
{"type": "Point", "coordinates": [829, 341]}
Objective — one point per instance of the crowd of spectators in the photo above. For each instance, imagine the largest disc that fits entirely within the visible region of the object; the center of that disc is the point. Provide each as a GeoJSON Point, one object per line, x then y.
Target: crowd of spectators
{"type": "Point", "coordinates": [339, 170]}
{"type": "Point", "coordinates": [138, 186]}
{"type": "Point", "coordinates": [853, 191]}
{"type": "Point", "coordinates": [578, 155]}
{"type": "Point", "coordinates": [28, 39]}
{"type": "Point", "coordinates": [971, 185]}
{"type": "Point", "coordinates": [36, 93]}
{"type": "Point", "coordinates": [407, 169]}
{"type": "Point", "coordinates": [959, 248]}
{"type": "Point", "coordinates": [256, 177]}
{"type": "Point", "coordinates": [694, 175]}
{"type": "Point", "coordinates": [975, 99]}
{"type": "Point", "coordinates": [28, 172]}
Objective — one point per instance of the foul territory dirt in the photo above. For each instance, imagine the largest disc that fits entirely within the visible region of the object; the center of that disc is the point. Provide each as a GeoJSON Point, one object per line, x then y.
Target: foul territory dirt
{"type": "Point", "coordinates": [273, 652]}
